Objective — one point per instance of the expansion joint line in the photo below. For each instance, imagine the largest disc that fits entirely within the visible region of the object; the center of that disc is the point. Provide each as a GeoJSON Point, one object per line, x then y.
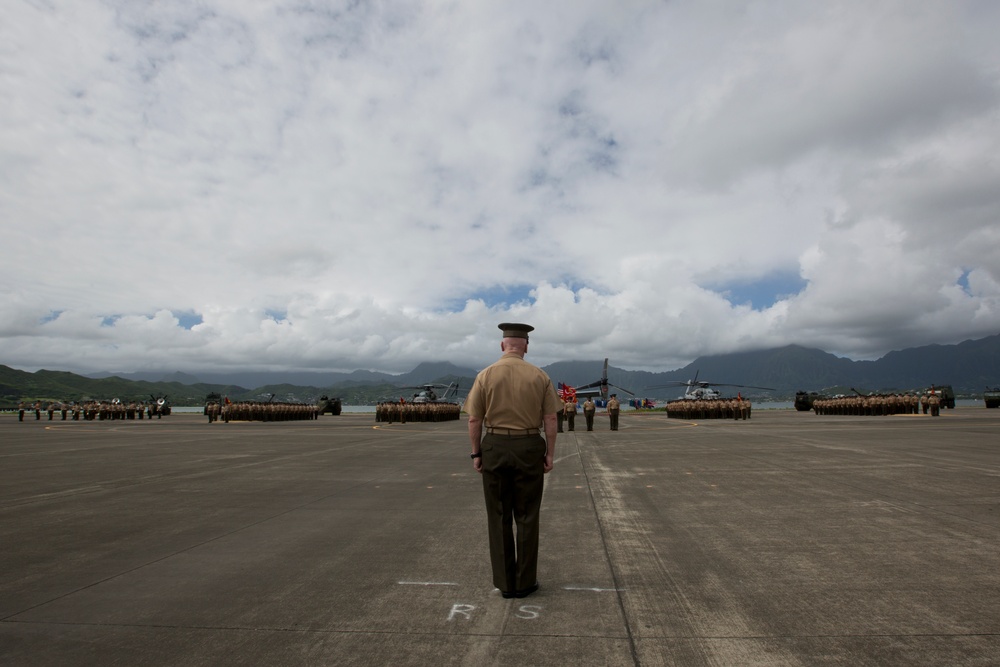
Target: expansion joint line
{"type": "Point", "coordinates": [619, 589]}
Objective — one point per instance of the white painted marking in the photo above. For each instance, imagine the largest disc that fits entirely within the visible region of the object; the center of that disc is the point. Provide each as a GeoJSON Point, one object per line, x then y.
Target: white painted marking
{"type": "Point", "coordinates": [528, 611]}
{"type": "Point", "coordinates": [595, 590]}
{"type": "Point", "coordinates": [462, 610]}
{"type": "Point", "coordinates": [427, 583]}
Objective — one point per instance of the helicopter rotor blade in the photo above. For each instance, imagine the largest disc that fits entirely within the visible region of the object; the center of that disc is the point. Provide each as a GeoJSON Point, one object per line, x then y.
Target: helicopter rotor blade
{"type": "Point", "coordinates": [670, 385]}
{"type": "Point", "coordinates": [744, 386]}
{"type": "Point", "coordinates": [705, 385]}
{"type": "Point", "coordinates": [591, 385]}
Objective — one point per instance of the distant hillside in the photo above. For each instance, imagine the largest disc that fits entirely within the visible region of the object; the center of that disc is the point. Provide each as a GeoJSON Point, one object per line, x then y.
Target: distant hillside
{"type": "Point", "coordinates": [44, 385]}
{"type": "Point", "coordinates": [786, 369]}
{"type": "Point", "coordinates": [256, 379]}
{"type": "Point", "coordinates": [16, 385]}
{"type": "Point", "coordinates": [974, 363]}
{"type": "Point", "coordinates": [969, 367]}
{"type": "Point", "coordinates": [578, 373]}
{"type": "Point", "coordinates": [434, 372]}
{"type": "Point", "coordinates": [422, 374]}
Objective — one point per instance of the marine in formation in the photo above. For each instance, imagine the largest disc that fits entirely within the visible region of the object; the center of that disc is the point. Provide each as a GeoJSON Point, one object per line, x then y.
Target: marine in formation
{"type": "Point", "coordinates": [402, 411]}
{"type": "Point", "coordinates": [709, 408]}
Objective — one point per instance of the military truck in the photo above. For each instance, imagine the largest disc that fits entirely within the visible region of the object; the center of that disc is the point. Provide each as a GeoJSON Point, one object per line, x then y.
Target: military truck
{"type": "Point", "coordinates": [945, 393]}
{"type": "Point", "coordinates": [326, 404]}
{"type": "Point", "coordinates": [804, 400]}
{"type": "Point", "coordinates": [992, 397]}
{"type": "Point", "coordinates": [213, 397]}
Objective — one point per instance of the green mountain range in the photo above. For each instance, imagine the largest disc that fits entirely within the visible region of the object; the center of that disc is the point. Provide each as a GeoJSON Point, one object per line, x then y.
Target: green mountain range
{"type": "Point", "coordinates": [969, 367]}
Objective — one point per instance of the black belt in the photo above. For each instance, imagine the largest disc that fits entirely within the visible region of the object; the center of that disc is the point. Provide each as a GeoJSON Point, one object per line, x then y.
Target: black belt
{"type": "Point", "coordinates": [511, 431]}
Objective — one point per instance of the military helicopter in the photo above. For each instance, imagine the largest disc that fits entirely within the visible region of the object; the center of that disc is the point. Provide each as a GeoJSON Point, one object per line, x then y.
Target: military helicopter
{"type": "Point", "coordinates": [428, 395]}
{"type": "Point", "coordinates": [596, 389]}
{"type": "Point", "coordinates": [702, 390]}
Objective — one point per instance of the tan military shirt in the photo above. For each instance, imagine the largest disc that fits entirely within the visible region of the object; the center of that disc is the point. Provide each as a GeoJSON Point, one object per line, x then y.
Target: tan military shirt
{"type": "Point", "coordinates": [512, 393]}
{"type": "Point", "coordinates": [613, 404]}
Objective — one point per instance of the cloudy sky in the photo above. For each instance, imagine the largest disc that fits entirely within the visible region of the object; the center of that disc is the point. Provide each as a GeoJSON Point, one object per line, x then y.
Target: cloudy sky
{"type": "Point", "coordinates": [333, 184]}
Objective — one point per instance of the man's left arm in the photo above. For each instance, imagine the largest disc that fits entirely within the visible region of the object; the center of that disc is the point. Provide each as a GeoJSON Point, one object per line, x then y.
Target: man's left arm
{"type": "Point", "coordinates": [551, 423]}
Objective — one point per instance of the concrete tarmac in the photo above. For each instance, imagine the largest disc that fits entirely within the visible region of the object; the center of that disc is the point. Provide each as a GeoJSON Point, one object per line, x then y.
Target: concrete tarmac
{"type": "Point", "coordinates": [789, 539]}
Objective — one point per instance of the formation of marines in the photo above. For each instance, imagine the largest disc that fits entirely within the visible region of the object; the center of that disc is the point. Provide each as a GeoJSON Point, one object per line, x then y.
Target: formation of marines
{"type": "Point", "coordinates": [568, 414]}
{"type": "Point", "coordinates": [392, 411]}
{"type": "Point", "coordinates": [879, 404]}
{"type": "Point", "coordinates": [709, 408]}
{"type": "Point", "coordinates": [260, 411]}
{"type": "Point", "coordinates": [92, 410]}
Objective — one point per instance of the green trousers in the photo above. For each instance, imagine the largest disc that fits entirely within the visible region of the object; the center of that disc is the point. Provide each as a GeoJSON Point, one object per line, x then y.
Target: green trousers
{"type": "Point", "coordinates": [513, 480]}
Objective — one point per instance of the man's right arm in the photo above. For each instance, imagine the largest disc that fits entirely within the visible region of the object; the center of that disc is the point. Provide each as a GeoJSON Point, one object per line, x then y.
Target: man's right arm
{"type": "Point", "coordinates": [475, 438]}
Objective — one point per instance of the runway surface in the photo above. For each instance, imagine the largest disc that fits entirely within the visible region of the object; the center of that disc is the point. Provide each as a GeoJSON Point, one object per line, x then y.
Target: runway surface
{"type": "Point", "coordinates": [789, 539]}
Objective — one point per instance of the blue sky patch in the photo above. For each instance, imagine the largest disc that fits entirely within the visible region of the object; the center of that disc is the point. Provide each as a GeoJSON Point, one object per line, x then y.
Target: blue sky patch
{"type": "Point", "coordinates": [500, 295]}
{"type": "Point", "coordinates": [963, 282]}
{"type": "Point", "coordinates": [763, 292]}
{"type": "Point", "coordinates": [189, 319]}
{"type": "Point", "coordinates": [276, 315]}
{"type": "Point", "coordinates": [52, 316]}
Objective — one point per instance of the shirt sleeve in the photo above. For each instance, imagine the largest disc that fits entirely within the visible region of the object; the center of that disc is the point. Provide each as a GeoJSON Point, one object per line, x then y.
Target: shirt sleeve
{"type": "Point", "coordinates": [552, 403]}
{"type": "Point", "coordinates": [473, 404]}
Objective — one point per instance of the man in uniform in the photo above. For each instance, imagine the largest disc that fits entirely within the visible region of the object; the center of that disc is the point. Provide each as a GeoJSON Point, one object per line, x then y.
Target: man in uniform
{"type": "Point", "coordinates": [614, 407]}
{"type": "Point", "coordinates": [588, 412]}
{"type": "Point", "coordinates": [569, 408]}
{"type": "Point", "coordinates": [513, 399]}
{"type": "Point", "coordinates": [934, 402]}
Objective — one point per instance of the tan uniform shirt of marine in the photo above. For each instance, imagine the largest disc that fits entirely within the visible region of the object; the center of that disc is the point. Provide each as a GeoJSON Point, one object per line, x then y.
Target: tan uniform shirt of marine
{"type": "Point", "coordinates": [512, 393]}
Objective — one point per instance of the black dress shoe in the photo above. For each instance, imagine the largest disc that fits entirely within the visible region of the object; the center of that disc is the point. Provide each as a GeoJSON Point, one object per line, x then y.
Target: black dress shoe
{"type": "Point", "coordinates": [527, 591]}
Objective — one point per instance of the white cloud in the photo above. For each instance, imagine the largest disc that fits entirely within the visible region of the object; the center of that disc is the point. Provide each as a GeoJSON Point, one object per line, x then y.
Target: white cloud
{"type": "Point", "coordinates": [331, 186]}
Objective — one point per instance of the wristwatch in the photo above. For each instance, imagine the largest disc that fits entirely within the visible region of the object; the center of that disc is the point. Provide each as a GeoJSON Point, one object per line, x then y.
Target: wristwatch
{"type": "Point", "coordinates": [477, 455]}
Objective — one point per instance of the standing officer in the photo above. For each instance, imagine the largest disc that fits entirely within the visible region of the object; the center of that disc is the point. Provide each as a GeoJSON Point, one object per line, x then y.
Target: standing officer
{"type": "Point", "coordinates": [588, 412]}
{"type": "Point", "coordinates": [934, 401]}
{"type": "Point", "coordinates": [513, 399]}
{"type": "Point", "coordinates": [569, 408]}
{"type": "Point", "coordinates": [614, 407]}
